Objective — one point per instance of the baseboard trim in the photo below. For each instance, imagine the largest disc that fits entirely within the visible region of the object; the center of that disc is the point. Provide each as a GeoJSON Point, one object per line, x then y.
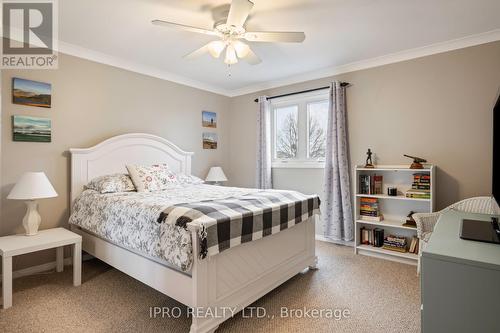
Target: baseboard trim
{"type": "Point", "coordinates": [338, 242]}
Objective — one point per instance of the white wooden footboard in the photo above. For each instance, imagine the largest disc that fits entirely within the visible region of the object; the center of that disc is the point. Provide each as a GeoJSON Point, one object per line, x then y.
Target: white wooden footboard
{"type": "Point", "coordinates": [239, 276]}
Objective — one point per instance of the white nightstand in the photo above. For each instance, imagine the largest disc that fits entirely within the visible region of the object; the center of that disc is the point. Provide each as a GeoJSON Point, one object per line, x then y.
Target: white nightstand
{"type": "Point", "coordinates": [11, 246]}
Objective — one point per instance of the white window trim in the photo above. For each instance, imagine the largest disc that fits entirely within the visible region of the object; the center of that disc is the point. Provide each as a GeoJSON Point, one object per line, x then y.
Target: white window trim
{"type": "Point", "coordinates": [301, 100]}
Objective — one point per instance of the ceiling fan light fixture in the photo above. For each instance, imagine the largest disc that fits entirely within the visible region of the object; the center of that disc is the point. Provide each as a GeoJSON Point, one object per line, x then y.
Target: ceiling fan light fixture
{"type": "Point", "coordinates": [231, 58]}
{"type": "Point", "coordinates": [216, 47]}
{"type": "Point", "coordinates": [241, 49]}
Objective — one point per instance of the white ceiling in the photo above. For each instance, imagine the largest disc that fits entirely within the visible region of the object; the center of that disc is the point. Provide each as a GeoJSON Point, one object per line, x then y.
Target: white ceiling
{"type": "Point", "coordinates": [338, 32]}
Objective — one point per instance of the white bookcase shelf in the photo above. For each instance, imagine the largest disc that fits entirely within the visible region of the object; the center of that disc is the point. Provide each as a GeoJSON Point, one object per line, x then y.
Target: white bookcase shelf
{"type": "Point", "coordinates": [394, 208]}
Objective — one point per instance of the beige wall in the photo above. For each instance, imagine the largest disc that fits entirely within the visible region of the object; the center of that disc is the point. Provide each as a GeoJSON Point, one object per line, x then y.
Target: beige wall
{"type": "Point", "coordinates": [92, 102]}
{"type": "Point", "coordinates": [438, 107]}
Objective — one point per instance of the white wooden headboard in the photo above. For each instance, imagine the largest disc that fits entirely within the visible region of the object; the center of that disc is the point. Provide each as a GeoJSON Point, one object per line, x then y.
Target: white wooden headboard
{"type": "Point", "coordinates": [113, 154]}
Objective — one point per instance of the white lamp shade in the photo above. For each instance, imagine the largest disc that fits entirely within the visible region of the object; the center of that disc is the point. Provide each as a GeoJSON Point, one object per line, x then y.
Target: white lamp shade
{"type": "Point", "coordinates": [215, 174]}
{"type": "Point", "coordinates": [31, 186]}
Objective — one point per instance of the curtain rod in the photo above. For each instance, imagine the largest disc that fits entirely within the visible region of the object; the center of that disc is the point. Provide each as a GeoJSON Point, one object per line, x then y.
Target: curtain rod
{"type": "Point", "coordinates": [342, 84]}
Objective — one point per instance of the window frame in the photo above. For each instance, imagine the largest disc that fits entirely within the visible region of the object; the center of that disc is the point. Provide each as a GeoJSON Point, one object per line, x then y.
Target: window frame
{"type": "Point", "coordinates": [301, 100]}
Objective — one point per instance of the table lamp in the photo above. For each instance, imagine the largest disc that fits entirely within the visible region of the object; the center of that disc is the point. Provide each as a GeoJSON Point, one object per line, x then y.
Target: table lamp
{"type": "Point", "coordinates": [216, 175]}
{"type": "Point", "coordinates": [32, 186]}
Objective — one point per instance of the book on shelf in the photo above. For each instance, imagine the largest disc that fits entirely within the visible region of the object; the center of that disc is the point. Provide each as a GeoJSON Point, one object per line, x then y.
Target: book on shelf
{"type": "Point", "coordinates": [395, 243]}
{"type": "Point", "coordinates": [418, 194]}
{"type": "Point", "coordinates": [370, 184]}
{"type": "Point", "coordinates": [369, 209]}
{"type": "Point", "coordinates": [414, 245]}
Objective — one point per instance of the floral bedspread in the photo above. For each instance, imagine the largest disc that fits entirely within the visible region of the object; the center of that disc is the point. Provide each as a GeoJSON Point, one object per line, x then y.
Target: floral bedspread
{"type": "Point", "coordinates": [129, 219]}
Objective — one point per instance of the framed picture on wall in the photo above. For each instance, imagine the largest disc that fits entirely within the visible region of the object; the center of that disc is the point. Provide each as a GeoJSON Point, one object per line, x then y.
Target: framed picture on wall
{"type": "Point", "coordinates": [31, 93]}
{"type": "Point", "coordinates": [209, 140]}
{"type": "Point", "coordinates": [209, 119]}
{"type": "Point", "coordinates": [31, 129]}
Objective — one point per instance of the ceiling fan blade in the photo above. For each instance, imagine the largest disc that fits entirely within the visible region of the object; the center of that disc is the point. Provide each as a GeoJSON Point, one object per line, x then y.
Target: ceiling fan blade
{"type": "Point", "coordinates": [280, 37]}
{"type": "Point", "coordinates": [252, 58]}
{"type": "Point", "coordinates": [238, 12]}
{"type": "Point", "coordinates": [197, 53]}
{"type": "Point", "coordinates": [185, 27]}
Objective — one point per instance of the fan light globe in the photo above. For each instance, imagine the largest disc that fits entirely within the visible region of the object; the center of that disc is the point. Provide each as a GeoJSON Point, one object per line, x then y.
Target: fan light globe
{"type": "Point", "coordinates": [216, 47]}
{"type": "Point", "coordinates": [241, 49]}
{"type": "Point", "coordinates": [231, 58]}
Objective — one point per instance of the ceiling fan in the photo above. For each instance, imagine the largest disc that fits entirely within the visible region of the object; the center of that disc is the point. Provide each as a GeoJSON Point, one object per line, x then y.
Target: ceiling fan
{"type": "Point", "coordinates": [229, 26]}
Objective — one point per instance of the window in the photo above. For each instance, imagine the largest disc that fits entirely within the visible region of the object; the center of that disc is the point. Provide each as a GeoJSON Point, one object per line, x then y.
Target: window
{"type": "Point", "coordinates": [287, 132]}
{"type": "Point", "coordinates": [299, 130]}
{"type": "Point", "coordinates": [317, 119]}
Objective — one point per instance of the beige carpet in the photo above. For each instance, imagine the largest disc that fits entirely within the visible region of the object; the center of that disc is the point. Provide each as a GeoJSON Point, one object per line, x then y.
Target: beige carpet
{"type": "Point", "coordinates": [381, 296]}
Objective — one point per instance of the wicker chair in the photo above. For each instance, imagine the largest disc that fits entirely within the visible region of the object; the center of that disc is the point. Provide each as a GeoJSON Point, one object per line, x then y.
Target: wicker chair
{"type": "Point", "coordinates": [427, 221]}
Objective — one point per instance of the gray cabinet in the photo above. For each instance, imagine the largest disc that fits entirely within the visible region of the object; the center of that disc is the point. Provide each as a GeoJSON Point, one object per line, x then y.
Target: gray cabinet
{"type": "Point", "coordinates": [460, 280]}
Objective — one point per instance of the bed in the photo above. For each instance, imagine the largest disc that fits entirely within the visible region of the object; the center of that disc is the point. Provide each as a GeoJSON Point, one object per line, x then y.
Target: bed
{"type": "Point", "coordinates": [234, 278]}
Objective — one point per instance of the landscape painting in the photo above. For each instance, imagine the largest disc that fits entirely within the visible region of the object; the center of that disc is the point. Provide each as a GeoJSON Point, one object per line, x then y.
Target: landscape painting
{"type": "Point", "coordinates": [32, 93]}
{"type": "Point", "coordinates": [31, 129]}
{"type": "Point", "coordinates": [209, 119]}
{"type": "Point", "coordinates": [209, 140]}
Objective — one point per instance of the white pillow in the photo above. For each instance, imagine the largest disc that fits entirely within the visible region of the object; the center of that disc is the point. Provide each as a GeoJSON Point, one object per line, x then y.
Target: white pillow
{"type": "Point", "coordinates": [151, 178]}
{"type": "Point", "coordinates": [187, 179]}
{"type": "Point", "coordinates": [118, 182]}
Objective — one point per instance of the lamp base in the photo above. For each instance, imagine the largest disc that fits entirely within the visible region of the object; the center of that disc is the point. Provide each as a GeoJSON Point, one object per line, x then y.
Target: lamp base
{"type": "Point", "coordinates": [32, 219]}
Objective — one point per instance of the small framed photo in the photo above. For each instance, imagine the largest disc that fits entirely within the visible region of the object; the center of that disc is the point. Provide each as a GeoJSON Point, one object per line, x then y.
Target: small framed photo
{"type": "Point", "coordinates": [209, 119]}
{"type": "Point", "coordinates": [31, 93]}
{"type": "Point", "coordinates": [31, 129]}
{"type": "Point", "coordinates": [209, 140]}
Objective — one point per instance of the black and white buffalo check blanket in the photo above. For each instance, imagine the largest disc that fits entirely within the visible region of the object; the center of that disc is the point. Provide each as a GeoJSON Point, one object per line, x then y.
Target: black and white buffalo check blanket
{"type": "Point", "coordinates": [226, 223]}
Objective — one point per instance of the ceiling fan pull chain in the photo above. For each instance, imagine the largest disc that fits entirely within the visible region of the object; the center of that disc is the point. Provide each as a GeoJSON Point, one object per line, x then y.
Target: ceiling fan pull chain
{"type": "Point", "coordinates": [229, 70]}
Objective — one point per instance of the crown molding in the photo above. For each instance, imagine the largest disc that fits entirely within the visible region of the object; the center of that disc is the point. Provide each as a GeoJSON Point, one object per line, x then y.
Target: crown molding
{"type": "Point", "coordinates": [88, 54]}
{"type": "Point", "coordinates": [455, 44]}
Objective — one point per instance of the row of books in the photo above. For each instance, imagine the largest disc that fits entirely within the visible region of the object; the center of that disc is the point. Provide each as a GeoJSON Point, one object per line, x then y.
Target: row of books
{"type": "Point", "coordinates": [370, 184]}
{"type": "Point", "coordinates": [375, 237]}
{"type": "Point", "coordinates": [369, 209]}
{"type": "Point", "coordinates": [395, 243]}
{"type": "Point", "coordinates": [421, 186]}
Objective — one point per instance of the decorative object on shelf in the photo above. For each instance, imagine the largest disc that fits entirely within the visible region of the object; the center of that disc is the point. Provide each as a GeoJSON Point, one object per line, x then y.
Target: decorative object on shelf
{"type": "Point", "coordinates": [31, 129]}
{"type": "Point", "coordinates": [209, 119]}
{"type": "Point", "coordinates": [369, 209]}
{"type": "Point", "coordinates": [32, 186]}
{"type": "Point", "coordinates": [32, 93]}
{"type": "Point", "coordinates": [410, 222]}
{"type": "Point", "coordinates": [392, 191]}
{"type": "Point", "coordinates": [216, 175]}
{"type": "Point", "coordinates": [417, 162]}
{"type": "Point", "coordinates": [209, 140]}
{"type": "Point", "coordinates": [369, 162]}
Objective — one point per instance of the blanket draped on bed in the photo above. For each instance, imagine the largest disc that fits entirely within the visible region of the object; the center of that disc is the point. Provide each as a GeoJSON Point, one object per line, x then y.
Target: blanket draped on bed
{"type": "Point", "coordinates": [225, 223]}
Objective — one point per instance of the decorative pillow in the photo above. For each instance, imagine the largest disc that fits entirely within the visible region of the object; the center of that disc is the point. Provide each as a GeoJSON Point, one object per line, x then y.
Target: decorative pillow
{"type": "Point", "coordinates": [151, 178]}
{"type": "Point", "coordinates": [187, 179]}
{"type": "Point", "coordinates": [118, 182]}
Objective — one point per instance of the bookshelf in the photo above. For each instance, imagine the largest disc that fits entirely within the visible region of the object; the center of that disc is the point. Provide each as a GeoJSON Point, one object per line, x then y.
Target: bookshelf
{"type": "Point", "coordinates": [394, 208]}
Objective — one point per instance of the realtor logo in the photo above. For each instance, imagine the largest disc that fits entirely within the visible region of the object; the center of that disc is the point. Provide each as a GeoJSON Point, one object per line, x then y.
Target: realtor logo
{"type": "Point", "coordinates": [29, 31]}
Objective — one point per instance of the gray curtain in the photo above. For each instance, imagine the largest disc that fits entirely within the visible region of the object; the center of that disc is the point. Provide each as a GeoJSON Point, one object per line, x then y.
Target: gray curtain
{"type": "Point", "coordinates": [263, 178]}
{"type": "Point", "coordinates": [336, 208]}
